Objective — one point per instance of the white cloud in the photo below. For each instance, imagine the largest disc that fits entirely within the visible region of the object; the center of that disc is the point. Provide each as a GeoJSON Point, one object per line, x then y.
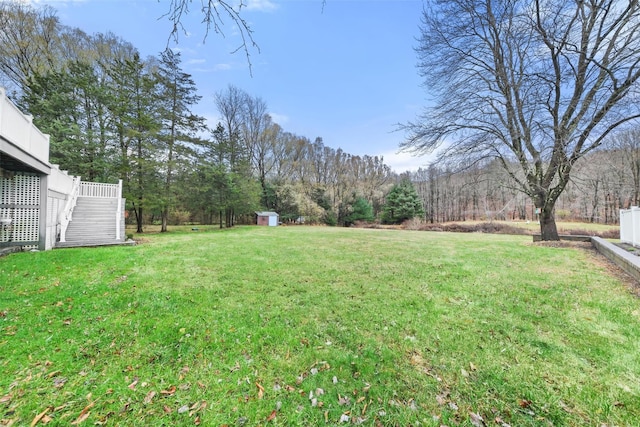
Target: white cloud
{"type": "Point", "coordinates": [402, 162]}
{"type": "Point", "coordinates": [280, 119]}
{"type": "Point", "coordinates": [182, 50]}
{"type": "Point", "coordinates": [196, 61]}
{"type": "Point", "coordinates": [217, 67]}
{"type": "Point", "coordinates": [261, 5]}
{"type": "Point", "coordinates": [57, 3]}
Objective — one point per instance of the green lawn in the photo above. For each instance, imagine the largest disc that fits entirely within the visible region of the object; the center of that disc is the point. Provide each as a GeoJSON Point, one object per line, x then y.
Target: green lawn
{"type": "Point", "coordinates": [314, 326]}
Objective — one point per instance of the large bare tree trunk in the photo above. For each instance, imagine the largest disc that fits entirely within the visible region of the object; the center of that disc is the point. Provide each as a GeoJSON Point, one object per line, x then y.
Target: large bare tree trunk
{"type": "Point", "coordinates": [548, 229]}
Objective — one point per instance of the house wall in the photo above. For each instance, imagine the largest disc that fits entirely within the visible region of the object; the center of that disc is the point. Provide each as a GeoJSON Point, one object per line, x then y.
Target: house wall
{"type": "Point", "coordinates": [60, 181]}
{"type": "Point", "coordinates": [20, 139]}
{"type": "Point", "coordinates": [263, 220]}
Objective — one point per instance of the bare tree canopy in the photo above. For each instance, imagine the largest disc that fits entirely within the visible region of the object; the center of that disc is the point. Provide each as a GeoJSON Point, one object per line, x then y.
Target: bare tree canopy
{"type": "Point", "coordinates": [536, 84]}
{"type": "Point", "coordinates": [213, 15]}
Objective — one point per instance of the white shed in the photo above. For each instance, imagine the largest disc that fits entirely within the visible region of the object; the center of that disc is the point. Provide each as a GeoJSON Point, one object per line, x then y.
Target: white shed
{"type": "Point", "coordinates": [267, 218]}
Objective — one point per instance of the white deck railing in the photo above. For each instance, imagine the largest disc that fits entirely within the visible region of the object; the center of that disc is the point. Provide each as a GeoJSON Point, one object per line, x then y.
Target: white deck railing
{"type": "Point", "coordinates": [19, 129]}
{"type": "Point", "coordinates": [67, 213]}
{"type": "Point", "coordinates": [99, 189]}
{"type": "Point", "coordinates": [630, 226]}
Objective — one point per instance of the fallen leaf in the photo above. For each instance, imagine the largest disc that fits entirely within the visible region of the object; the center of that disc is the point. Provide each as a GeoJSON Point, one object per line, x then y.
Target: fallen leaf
{"type": "Point", "coordinates": [524, 403]}
{"type": "Point", "coordinates": [167, 410]}
{"type": "Point", "coordinates": [168, 392]}
{"type": "Point", "coordinates": [39, 417]}
{"type": "Point", "coordinates": [260, 391]}
{"type": "Point", "coordinates": [272, 415]}
{"type": "Point", "coordinates": [183, 409]}
{"type": "Point", "coordinates": [149, 397]}
{"type": "Point", "coordinates": [59, 382]}
{"type": "Point", "coordinates": [344, 418]}
{"type": "Point", "coordinates": [84, 414]}
{"type": "Point", "coordinates": [344, 400]}
{"type": "Point", "coordinates": [198, 406]}
{"type": "Point", "coordinates": [464, 373]}
{"type": "Point", "coordinates": [501, 422]}
{"type": "Point", "coordinates": [472, 366]}
{"type": "Point", "coordinates": [81, 418]}
{"type": "Point", "coordinates": [476, 420]}
{"type": "Point", "coordinates": [6, 398]}
{"type": "Point", "coordinates": [53, 374]}
{"type": "Point", "coordinates": [197, 421]}
{"type": "Point", "coordinates": [133, 385]}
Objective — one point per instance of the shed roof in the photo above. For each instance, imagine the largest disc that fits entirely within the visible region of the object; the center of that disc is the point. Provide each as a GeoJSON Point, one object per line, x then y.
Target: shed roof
{"type": "Point", "coordinates": [267, 214]}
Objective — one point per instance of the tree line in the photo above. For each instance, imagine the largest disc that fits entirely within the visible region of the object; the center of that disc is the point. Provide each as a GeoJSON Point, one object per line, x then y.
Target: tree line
{"type": "Point", "coordinates": [602, 183]}
{"type": "Point", "coordinates": [114, 115]}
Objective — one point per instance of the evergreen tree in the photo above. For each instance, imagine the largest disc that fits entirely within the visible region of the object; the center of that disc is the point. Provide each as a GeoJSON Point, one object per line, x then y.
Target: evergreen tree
{"type": "Point", "coordinates": [177, 95]}
{"type": "Point", "coordinates": [402, 203]}
{"type": "Point", "coordinates": [69, 106]}
{"type": "Point", "coordinates": [134, 106]}
{"type": "Point", "coordinates": [361, 210]}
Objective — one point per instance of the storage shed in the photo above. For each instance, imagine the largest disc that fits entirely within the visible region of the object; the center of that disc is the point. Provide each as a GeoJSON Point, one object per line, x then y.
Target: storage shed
{"type": "Point", "coordinates": [267, 218]}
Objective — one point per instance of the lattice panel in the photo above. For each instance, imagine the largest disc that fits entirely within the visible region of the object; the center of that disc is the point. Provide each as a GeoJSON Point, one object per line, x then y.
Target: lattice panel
{"type": "Point", "coordinates": [5, 188]}
{"type": "Point", "coordinates": [27, 190]}
{"type": "Point", "coordinates": [20, 200]}
{"type": "Point", "coordinates": [26, 225]}
{"type": "Point", "coordinates": [5, 231]}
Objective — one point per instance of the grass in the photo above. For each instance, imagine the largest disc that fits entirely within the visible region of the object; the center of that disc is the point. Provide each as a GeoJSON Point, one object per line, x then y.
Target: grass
{"type": "Point", "coordinates": [311, 326]}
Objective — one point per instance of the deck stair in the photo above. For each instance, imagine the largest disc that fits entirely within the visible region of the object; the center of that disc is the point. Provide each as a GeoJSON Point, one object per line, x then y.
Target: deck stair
{"type": "Point", "coordinates": [94, 223]}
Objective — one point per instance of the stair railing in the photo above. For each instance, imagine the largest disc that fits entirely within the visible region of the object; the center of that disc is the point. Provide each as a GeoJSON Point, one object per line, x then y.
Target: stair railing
{"type": "Point", "coordinates": [119, 209]}
{"type": "Point", "coordinates": [67, 213]}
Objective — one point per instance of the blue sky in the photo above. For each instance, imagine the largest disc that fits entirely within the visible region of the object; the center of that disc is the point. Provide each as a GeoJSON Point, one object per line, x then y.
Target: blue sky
{"type": "Point", "coordinates": [345, 72]}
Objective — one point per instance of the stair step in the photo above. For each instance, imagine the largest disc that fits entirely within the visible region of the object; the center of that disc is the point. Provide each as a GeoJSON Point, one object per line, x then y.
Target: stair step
{"type": "Point", "coordinates": [93, 222]}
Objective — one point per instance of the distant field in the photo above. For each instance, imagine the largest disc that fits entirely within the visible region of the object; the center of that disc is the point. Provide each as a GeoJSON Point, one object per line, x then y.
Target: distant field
{"type": "Point", "coordinates": [564, 226]}
{"type": "Point", "coordinates": [532, 227]}
{"type": "Point", "coordinates": [317, 325]}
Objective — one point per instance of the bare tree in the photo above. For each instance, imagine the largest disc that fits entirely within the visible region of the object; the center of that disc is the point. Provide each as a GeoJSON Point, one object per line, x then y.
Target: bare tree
{"type": "Point", "coordinates": [231, 105]}
{"type": "Point", "coordinates": [627, 146]}
{"type": "Point", "coordinates": [536, 84]}
{"type": "Point", "coordinates": [213, 15]}
{"type": "Point", "coordinates": [29, 42]}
